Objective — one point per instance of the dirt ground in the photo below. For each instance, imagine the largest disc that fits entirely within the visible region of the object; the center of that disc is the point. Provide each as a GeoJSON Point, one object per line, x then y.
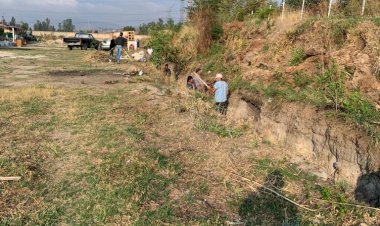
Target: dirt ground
{"type": "Point", "coordinates": [94, 146]}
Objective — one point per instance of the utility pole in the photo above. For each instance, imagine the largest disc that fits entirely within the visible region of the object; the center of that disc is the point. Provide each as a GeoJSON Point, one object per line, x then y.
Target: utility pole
{"type": "Point", "coordinates": [190, 4]}
{"type": "Point", "coordinates": [363, 7]}
{"type": "Point", "coordinates": [303, 8]}
{"type": "Point", "coordinates": [330, 4]}
{"type": "Point", "coordinates": [283, 11]}
{"type": "Point", "coordinates": [182, 12]}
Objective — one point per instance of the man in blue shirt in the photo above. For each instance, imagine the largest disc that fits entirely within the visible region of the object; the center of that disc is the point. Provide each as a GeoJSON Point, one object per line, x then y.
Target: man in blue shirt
{"type": "Point", "coordinates": [221, 93]}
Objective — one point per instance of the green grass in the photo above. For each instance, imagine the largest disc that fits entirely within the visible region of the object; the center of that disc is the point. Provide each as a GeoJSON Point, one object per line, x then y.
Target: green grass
{"type": "Point", "coordinates": [325, 91]}
{"type": "Point", "coordinates": [218, 129]}
{"type": "Point", "coordinates": [298, 56]}
{"type": "Point", "coordinates": [376, 21]}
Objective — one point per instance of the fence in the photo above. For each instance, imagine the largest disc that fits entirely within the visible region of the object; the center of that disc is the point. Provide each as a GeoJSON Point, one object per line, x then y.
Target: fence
{"type": "Point", "coordinates": [331, 8]}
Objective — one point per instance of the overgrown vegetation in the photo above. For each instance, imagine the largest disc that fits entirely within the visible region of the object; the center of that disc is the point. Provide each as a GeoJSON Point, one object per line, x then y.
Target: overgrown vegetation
{"type": "Point", "coordinates": [326, 91]}
{"type": "Point", "coordinates": [298, 55]}
{"type": "Point", "coordinates": [300, 29]}
{"type": "Point", "coordinates": [164, 51]}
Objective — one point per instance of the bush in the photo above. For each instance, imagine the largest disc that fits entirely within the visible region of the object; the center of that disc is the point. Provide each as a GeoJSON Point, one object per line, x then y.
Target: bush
{"type": "Point", "coordinates": [339, 29]}
{"type": "Point", "coordinates": [298, 55]}
{"type": "Point", "coordinates": [163, 51]}
{"type": "Point", "coordinates": [332, 85]}
{"type": "Point", "coordinates": [360, 109]}
{"type": "Point", "coordinates": [216, 32]}
{"type": "Point", "coordinates": [300, 29]}
{"type": "Point", "coordinates": [376, 21]}
{"type": "Point", "coordinates": [264, 13]}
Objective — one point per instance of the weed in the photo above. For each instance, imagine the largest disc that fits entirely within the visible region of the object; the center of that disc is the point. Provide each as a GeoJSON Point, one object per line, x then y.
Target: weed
{"type": "Point", "coordinates": [332, 84]}
{"type": "Point", "coordinates": [265, 48]}
{"type": "Point", "coordinates": [339, 29]}
{"type": "Point", "coordinates": [326, 193]}
{"type": "Point", "coordinates": [359, 109]}
{"type": "Point", "coordinates": [134, 133]}
{"type": "Point", "coordinates": [266, 142]}
{"type": "Point", "coordinates": [300, 29]}
{"type": "Point", "coordinates": [254, 144]}
{"type": "Point", "coordinates": [301, 79]}
{"type": "Point", "coordinates": [298, 55]}
{"type": "Point", "coordinates": [376, 21]}
{"type": "Point", "coordinates": [218, 129]}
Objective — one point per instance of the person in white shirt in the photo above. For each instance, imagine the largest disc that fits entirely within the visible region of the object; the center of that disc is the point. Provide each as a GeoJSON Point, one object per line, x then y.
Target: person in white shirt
{"type": "Point", "coordinates": [221, 94]}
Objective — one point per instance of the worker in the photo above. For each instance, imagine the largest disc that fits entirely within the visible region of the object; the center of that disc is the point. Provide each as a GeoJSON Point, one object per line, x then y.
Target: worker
{"type": "Point", "coordinates": [221, 92]}
{"type": "Point", "coordinates": [190, 83]}
{"type": "Point", "coordinates": [167, 73]}
{"type": "Point", "coordinates": [120, 42]}
{"type": "Point", "coordinates": [112, 46]}
{"type": "Point", "coordinates": [199, 84]}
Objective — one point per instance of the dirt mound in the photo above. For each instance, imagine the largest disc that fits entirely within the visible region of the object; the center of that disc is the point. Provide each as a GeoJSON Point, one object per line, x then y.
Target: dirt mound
{"type": "Point", "coordinates": [98, 56]}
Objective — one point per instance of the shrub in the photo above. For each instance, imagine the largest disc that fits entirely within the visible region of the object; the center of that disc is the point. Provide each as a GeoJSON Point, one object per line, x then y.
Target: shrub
{"type": "Point", "coordinates": [264, 13]}
{"type": "Point", "coordinates": [376, 21]}
{"type": "Point", "coordinates": [301, 79]}
{"type": "Point", "coordinates": [298, 55]}
{"type": "Point", "coordinates": [332, 85]}
{"type": "Point", "coordinates": [339, 29]}
{"type": "Point", "coordinates": [300, 29]}
{"type": "Point", "coordinates": [360, 109]}
{"type": "Point", "coordinates": [162, 48]}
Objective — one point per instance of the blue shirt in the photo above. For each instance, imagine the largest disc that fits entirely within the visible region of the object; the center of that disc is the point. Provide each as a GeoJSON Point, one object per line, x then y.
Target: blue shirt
{"type": "Point", "coordinates": [221, 92]}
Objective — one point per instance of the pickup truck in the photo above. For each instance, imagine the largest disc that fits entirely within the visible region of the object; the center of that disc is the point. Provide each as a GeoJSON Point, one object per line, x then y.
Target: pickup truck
{"type": "Point", "coordinates": [82, 40]}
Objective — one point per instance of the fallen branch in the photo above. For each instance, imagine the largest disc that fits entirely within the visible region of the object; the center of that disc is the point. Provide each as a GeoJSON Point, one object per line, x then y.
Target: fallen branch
{"type": "Point", "coordinates": [10, 178]}
{"type": "Point", "coordinates": [348, 204]}
{"type": "Point", "coordinates": [271, 190]}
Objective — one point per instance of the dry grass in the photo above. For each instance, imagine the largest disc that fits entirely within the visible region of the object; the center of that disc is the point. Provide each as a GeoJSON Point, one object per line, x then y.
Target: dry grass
{"type": "Point", "coordinates": [28, 93]}
{"type": "Point", "coordinates": [187, 40]}
{"type": "Point", "coordinates": [203, 21]}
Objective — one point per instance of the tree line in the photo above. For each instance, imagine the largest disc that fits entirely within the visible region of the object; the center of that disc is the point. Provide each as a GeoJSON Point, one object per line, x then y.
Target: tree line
{"type": "Point", "coordinates": [44, 25]}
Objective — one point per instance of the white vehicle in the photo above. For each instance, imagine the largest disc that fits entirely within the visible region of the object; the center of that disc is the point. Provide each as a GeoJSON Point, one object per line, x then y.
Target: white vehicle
{"type": "Point", "coordinates": [105, 44]}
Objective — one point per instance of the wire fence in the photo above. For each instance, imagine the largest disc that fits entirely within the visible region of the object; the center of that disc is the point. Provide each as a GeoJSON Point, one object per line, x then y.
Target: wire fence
{"type": "Point", "coordinates": [332, 8]}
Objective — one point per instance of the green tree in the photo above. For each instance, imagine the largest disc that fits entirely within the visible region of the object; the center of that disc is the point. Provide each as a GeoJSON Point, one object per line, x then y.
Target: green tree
{"type": "Point", "coordinates": [44, 25]}
{"type": "Point", "coordinates": [67, 25]}
{"type": "Point", "coordinates": [24, 26]}
{"type": "Point", "coordinates": [129, 28]}
{"type": "Point", "coordinates": [12, 22]}
{"type": "Point", "coordinates": [298, 3]}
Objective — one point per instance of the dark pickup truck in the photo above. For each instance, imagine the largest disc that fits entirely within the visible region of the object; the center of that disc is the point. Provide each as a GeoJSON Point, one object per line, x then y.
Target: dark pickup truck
{"type": "Point", "coordinates": [82, 40]}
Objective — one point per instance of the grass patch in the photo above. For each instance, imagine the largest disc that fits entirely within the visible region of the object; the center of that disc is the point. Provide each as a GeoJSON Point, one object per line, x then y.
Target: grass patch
{"type": "Point", "coordinates": [218, 129]}
{"type": "Point", "coordinates": [298, 55]}
{"type": "Point", "coordinates": [376, 21]}
{"type": "Point", "coordinates": [299, 30]}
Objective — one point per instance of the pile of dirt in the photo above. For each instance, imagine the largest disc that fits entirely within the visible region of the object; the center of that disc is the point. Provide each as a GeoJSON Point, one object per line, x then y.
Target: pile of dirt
{"type": "Point", "coordinates": [98, 56]}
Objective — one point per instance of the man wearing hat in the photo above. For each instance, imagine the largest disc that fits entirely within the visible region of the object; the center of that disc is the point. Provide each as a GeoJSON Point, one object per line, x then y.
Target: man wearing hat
{"type": "Point", "coordinates": [221, 92]}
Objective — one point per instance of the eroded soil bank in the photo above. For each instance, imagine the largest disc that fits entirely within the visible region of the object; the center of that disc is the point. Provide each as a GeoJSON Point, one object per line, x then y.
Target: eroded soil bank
{"type": "Point", "coordinates": [342, 153]}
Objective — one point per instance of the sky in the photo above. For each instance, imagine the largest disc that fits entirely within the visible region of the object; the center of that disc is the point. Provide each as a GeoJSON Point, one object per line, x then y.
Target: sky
{"type": "Point", "coordinates": [91, 14]}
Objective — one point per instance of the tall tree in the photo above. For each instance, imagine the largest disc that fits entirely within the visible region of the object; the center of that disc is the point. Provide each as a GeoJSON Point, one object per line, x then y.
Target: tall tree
{"type": "Point", "coordinates": [13, 21]}
{"type": "Point", "coordinates": [24, 26]}
{"type": "Point", "coordinates": [44, 25]}
{"type": "Point", "coordinates": [67, 25]}
{"type": "Point", "coordinates": [129, 28]}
